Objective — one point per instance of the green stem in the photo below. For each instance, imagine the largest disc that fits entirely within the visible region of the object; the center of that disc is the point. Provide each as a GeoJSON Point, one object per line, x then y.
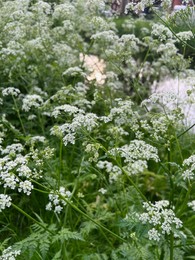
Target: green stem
{"type": "Point", "coordinates": [31, 218]}
{"type": "Point", "coordinates": [91, 219]}
{"type": "Point", "coordinates": [186, 131]}
{"type": "Point", "coordinates": [171, 246]}
{"type": "Point", "coordinates": [134, 185]}
{"type": "Point", "coordinates": [60, 163]}
{"type": "Point", "coordinates": [18, 114]}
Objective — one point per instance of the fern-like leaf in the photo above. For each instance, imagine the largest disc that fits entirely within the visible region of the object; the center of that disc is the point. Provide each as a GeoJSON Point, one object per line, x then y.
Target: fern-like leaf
{"type": "Point", "coordinates": [66, 234]}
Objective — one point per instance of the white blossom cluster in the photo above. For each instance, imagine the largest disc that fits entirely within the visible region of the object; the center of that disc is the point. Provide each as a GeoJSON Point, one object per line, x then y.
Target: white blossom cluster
{"type": "Point", "coordinates": [189, 168]}
{"type": "Point", "coordinates": [123, 114]}
{"type": "Point", "coordinates": [56, 201]}
{"type": "Point", "coordinates": [31, 101]}
{"type": "Point", "coordinates": [138, 6]}
{"type": "Point", "coordinates": [136, 155]}
{"type": "Point", "coordinates": [12, 170]}
{"type": "Point", "coordinates": [10, 91]}
{"type": "Point", "coordinates": [12, 149]}
{"type": "Point", "coordinates": [63, 12]}
{"type": "Point", "coordinates": [113, 170]}
{"type": "Point", "coordinates": [5, 201]}
{"type": "Point", "coordinates": [9, 254]}
{"type": "Point", "coordinates": [161, 218]}
{"type": "Point", "coordinates": [185, 36]}
{"type": "Point", "coordinates": [92, 150]}
{"type": "Point", "coordinates": [85, 122]}
{"type": "Point", "coordinates": [71, 110]}
{"type": "Point", "coordinates": [161, 32]}
{"type": "Point", "coordinates": [191, 204]}
{"type": "Point", "coordinates": [15, 172]}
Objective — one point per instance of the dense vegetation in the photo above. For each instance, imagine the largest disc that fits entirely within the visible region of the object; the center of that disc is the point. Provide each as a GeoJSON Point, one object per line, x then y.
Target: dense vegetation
{"type": "Point", "coordinates": [95, 165]}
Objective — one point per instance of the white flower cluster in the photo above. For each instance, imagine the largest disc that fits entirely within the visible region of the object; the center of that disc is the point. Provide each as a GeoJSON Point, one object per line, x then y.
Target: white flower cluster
{"type": "Point", "coordinates": [26, 187]}
{"type": "Point", "coordinates": [15, 172]}
{"type": "Point", "coordinates": [56, 201]}
{"type": "Point", "coordinates": [123, 114]}
{"type": "Point", "coordinates": [12, 149]}
{"type": "Point", "coordinates": [10, 91]}
{"type": "Point", "coordinates": [185, 36]}
{"type": "Point", "coordinates": [30, 101]}
{"type": "Point", "coordinates": [63, 11]}
{"type": "Point", "coordinates": [5, 201]}
{"type": "Point", "coordinates": [41, 8]}
{"type": "Point", "coordinates": [113, 170]}
{"type": "Point", "coordinates": [9, 254]}
{"type": "Point", "coordinates": [108, 36]}
{"type": "Point", "coordinates": [12, 170]}
{"type": "Point", "coordinates": [161, 217]}
{"type": "Point", "coordinates": [95, 5]}
{"type": "Point", "coordinates": [136, 155]}
{"type": "Point", "coordinates": [92, 150]}
{"type": "Point", "coordinates": [79, 122]}
{"type": "Point", "coordinates": [168, 49]}
{"type": "Point", "coordinates": [138, 6]}
{"type": "Point", "coordinates": [74, 71]}
{"type": "Point", "coordinates": [161, 31]}
{"type": "Point", "coordinates": [191, 204]}
{"type": "Point", "coordinates": [71, 110]}
{"type": "Point", "coordinates": [189, 163]}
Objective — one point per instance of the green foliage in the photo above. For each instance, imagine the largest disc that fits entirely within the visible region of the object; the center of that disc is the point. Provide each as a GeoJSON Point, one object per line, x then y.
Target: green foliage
{"type": "Point", "coordinates": [95, 164]}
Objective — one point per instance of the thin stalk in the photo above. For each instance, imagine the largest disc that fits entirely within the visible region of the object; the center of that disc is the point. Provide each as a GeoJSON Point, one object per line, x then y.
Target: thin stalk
{"type": "Point", "coordinates": [186, 130]}
{"type": "Point", "coordinates": [135, 186]}
{"type": "Point", "coordinates": [91, 219]}
{"type": "Point", "coordinates": [31, 218]}
{"type": "Point", "coordinates": [60, 163]}
{"type": "Point", "coordinates": [171, 246]}
{"type": "Point", "coordinates": [18, 114]}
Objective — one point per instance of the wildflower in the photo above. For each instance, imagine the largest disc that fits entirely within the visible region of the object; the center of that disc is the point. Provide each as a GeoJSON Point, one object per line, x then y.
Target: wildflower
{"type": "Point", "coordinates": [153, 234]}
{"type": "Point", "coordinates": [102, 191]}
{"type": "Point", "coordinates": [13, 149]}
{"type": "Point", "coordinates": [25, 186]}
{"type": "Point", "coordinates": [10, 91]}
{"type": "Point", "coordinates": [113, 170]}
{"type": "Point", "coordinates": [56, 201]}
{"type": "Point", "coordinates": [30, 101]}
{"type": "Point", "coordinates": [161, 218]}
{"type": "Point", "coordinates": [5, 201]}
{"type": "Point", "coordinates": [9, 254]}
{"type": "Point", "coordinates": [65, 109]}
{"type": "Point", "coordinates": [192, 205]}
{"type": "Point", "coordinates": [74, 71]}
{"type": "Point", "coordinates": [190, 165]}
{"type": "Point", "coordinates": [185, 36]}
{"type": "Point", "coordinates": [92, 149]}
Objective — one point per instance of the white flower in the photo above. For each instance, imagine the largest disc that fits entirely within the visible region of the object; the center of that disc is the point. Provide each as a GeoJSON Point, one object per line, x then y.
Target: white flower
{"type": "Point", "coordinates": [185, 36]}
{"type": "Point", "coordinates": [25, 186]}
{"type": "Point", "coordinates": [102, 190]}
{"type": "Point", "coordinates": [13, 148]}
{"type": "Point", "coordinates": [161, 218]}
{"type": "Point", "coordinates": [30, 101]}
{"type": "Point", "coordinates": [5, 201]}
{"type": "Point", "coordinates": [56, 203]}
{"type": "Point", "coordinates": [11, 91]}
{"type": "Point", "coordinates": [153, 234]}
{"type": "Point", "coordinates": [190, 165]}
{"type": "Point", "coordinates": [74, 71]}
{"type": "Point", "coordinates": [9, 254]}
{"type": "Point", "coordinates": [192, 204]}
{"type": "Point", "coordinates": [65, 109]}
